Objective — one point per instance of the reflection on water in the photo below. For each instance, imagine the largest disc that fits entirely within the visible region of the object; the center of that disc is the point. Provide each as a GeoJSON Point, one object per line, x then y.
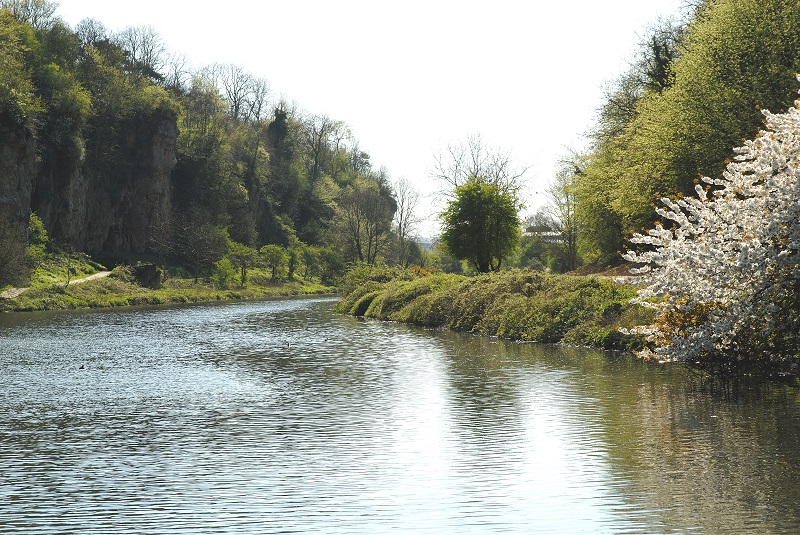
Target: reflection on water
{"type": "Point", "coordinates": [280, 417]}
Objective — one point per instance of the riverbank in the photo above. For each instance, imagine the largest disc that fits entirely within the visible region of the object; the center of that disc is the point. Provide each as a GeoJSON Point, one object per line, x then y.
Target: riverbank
{"type": "Point", "coordinates": [119, 290]}
{"type": "Point", "coordinates": [517, 305]}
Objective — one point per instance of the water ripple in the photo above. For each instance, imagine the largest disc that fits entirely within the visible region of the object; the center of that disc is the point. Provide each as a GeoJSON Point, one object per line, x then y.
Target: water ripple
{"type": "Point", "coordinates": [279, 417]}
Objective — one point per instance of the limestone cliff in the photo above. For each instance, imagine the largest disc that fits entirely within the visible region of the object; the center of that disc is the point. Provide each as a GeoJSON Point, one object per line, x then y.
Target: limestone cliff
{"type": "Point", "coordinates": [124, 218]}
{"type": "Point", "coordinates": [17, 170]}
{"type": "Point", "coordinates": [110, 202]}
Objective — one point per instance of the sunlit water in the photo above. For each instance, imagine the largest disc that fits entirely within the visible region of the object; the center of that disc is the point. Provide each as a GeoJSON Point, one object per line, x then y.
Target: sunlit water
{"type": "Point", "coordinates": [282, 417]}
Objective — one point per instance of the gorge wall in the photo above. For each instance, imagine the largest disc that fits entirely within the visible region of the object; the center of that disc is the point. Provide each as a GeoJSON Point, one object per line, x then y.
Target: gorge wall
{"type": "Point", "coordinates": [108, 201]}
{"type": "Point", "coordinates": [17, 170]}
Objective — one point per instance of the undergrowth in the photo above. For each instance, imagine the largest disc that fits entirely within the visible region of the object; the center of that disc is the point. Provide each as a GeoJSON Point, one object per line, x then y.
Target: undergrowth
{"type": "Point", "coordinates": [120, 290]}
{"type": "Point", "coordinates": [518, 305]}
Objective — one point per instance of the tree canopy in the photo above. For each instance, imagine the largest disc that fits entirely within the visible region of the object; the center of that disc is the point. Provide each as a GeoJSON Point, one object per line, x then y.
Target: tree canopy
{"type": "Point", "coordinates": [726, 273]}
{"type": "Point", "coordinates": [675, 116]}
{"type": "Point", "coordinates": [132, 154]}
{"type": "Point", "coordinates": [481, 224]}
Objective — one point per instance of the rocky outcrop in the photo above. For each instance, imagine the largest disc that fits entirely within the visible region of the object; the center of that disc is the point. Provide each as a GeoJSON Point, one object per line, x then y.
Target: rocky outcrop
{"type": "Point", "coordinates": [148, 276]}
{"type": "Point", "coordinates": [114, 201]}
{"type": "Point", "coordinates": [59, 196]}
{"type": "Point", "coordinates": [17, 171]}
{"type": "Point", "coordinates": [127, 218]}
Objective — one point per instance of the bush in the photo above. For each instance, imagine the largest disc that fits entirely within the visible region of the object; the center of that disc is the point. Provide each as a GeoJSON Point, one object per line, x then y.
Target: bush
{"type": "Point", "coordinates": [362, 305]}
{"type": "Point", "coordinates": [224, 273]}
{"type": "Point", "coordinates": [399, 293]}
{"type": "Point", "coordinates": [362, 273]}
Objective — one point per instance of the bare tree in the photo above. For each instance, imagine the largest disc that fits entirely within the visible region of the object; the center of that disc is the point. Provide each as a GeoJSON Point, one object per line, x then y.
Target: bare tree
{"type": "Point", "coordinates": [159, 236]}
{"type": "Point", "coordinates": [177, 74]}
{"type": "Point", "coordinates": [257, 100]}
{"type": "Point", "coordinates": [359, 160]}
{"type": "Point", "coordinates": [247, 96]}
{"type": "Point", "coordinates": [38, 13]}
{"type": "Point", "coordinates": [562, 202]}
{"type": "Point", "coordinates": [473, 159]}
{"type": "Point", "coordinates": [319, 132]}
{"type": "Point", "coordinates": [91, 31]}
{"type": "Point", "coordinates": [235, 84]}
{"type": "Point", "coordinates": [405, 217]}
{"type": "Point", "coordinates": [145, 48]}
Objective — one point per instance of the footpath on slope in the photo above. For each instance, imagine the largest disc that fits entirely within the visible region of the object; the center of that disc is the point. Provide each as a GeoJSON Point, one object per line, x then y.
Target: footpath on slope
{"type": "Point", "coordinates": [11, 293]}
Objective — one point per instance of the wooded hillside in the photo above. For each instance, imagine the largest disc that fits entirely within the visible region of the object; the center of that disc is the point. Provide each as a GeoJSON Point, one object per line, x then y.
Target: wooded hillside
{"type": "Point", "coordinates": [125, 154]}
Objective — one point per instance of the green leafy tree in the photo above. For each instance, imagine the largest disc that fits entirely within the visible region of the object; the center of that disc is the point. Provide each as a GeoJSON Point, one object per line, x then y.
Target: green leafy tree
{"type": "Point", "coordinates": [311, 260]}
{"type": "Point", "coordinates": [19, 103]}
{"type": "Point", "coordinates": [37, 241]}
{"type": "Point", "coordinates": [275, 258]}
{"type": "Point", "coordinates": [331, 263]}
{"type": "Point", "coordinates": [293, 254]}
{"type": "Point", "coordinates": [201, 243]}
{"type": "Point", "coordinates": [224, 272]}
{"type": "Point", "coordinates": [735, 57]}
{"type": "Point", "coordinates": [562, 203]}
{"type": "Point", "coordinates": [364, 219]}
{"type": "Point", "coordinates": [406, 220]}
{"type": "Point", "coordinates": [243, 258]}
{"type": "Point", "coordinates": [481, 225]}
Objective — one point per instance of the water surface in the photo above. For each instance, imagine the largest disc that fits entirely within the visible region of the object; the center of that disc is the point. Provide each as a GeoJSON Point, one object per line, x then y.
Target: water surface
{"type": "Point", "coordinates": [282, 417]}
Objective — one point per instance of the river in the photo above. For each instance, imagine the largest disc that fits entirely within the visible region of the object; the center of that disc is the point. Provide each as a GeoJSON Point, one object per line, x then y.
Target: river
{"type": "Point", "coordinates": [283, 417]}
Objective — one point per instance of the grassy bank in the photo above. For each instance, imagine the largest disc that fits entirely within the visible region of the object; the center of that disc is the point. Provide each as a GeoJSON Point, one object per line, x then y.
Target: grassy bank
{"type": "Point", "coordinates": [518, 305]}
{"type": "Point", "coordinates": [119, 289]}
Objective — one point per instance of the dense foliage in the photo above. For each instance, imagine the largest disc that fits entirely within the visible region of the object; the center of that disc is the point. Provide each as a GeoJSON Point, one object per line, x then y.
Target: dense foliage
{"type": "Point", "coordinates": [694, 93]}
{"type": "Point", "coordinates": [132, 156]}
{"type": "Point", "coordinates": [481, 225]}
{"type": "Point", "coordinates": [726, 274]}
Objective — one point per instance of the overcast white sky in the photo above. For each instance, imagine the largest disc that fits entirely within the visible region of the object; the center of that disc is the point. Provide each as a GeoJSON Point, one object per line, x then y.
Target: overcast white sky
{"type": "Point", "coordinates": [411, 76]}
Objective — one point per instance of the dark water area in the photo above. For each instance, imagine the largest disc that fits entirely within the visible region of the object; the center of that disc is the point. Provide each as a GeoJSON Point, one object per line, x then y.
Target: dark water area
{"type": "Point", "coordinates": [283, 417]}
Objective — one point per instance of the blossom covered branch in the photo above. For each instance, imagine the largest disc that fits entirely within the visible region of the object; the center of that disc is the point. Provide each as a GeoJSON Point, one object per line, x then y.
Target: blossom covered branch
{"type": "Point", "coordinates": [724, 277]}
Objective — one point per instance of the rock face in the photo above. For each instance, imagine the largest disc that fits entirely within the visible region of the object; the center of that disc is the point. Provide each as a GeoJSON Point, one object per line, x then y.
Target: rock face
{"type": "Point", "coordinates": [59, 196]}
{"type": "Point", "coordinates": [17, 171]}
{"type": "Point", "coordinates": [109, 206]}
{"type": "Point", "coordinates": [121, 220]}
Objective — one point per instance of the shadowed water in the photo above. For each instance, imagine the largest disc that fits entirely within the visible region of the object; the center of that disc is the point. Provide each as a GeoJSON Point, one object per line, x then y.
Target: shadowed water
{"type": "Point", "coordinates": [282, 417]}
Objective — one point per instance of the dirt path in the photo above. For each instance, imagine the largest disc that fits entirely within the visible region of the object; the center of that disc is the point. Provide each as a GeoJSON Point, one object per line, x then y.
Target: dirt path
{"type": "Point", "coordinates": [98, 275]}
{"type": "Point", "coordinates": [11, 293]}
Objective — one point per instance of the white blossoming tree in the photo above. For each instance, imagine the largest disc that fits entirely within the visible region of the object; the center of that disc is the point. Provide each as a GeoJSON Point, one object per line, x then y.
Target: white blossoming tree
{"type": "Point", "coordinates": [724, 274]}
